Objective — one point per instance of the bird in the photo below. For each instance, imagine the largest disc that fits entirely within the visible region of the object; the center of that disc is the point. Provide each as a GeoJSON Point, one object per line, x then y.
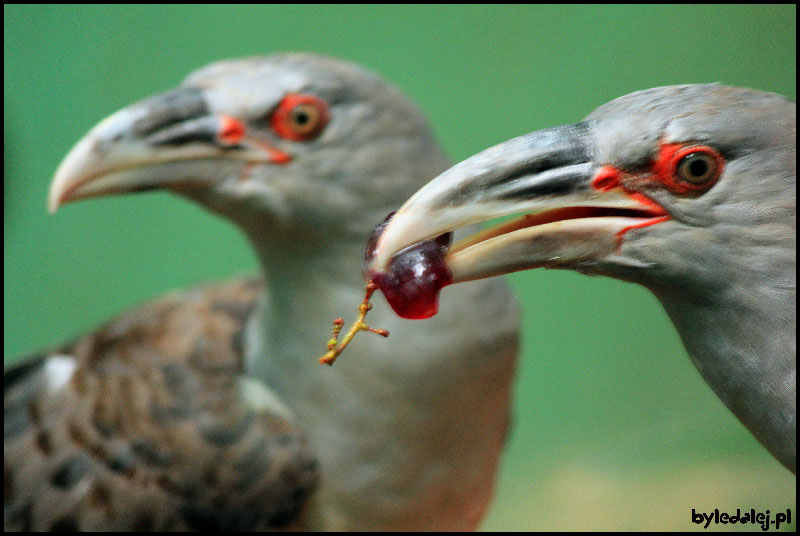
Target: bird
{"type": "Point", "coordinates": [207, 408]}
{"type": "Point", "coordinates": [687, 190]}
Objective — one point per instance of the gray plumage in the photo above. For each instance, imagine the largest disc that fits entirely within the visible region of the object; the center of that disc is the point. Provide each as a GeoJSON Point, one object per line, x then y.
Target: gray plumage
{"type": "Point", "coordinates": [725, 270]}
{"type": "Point", "coordinates": [607, 196]}
{"type": "Point", "coordinates": [402, 433]}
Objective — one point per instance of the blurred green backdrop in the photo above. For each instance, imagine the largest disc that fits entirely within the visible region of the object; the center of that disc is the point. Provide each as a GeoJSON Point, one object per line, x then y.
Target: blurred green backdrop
{"type": "Point", "coordinates": [614, 429]}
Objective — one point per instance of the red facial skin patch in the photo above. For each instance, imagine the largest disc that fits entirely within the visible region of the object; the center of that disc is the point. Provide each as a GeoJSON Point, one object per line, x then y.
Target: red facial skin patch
{"type": "Point", "coordinates": [645, 223]}
{"type": "Point", "coordinates": [606, 179]}
{"type": "Point", "coordinates": [276, 156]}
{"type": "Point", "coordinates": [665, 168]}
{"type": "Point", "coordinates": [610, 178]}
{"type": "Point", "coordinates": [233, 132]}
{"type": "Point", "coordinates": [665, 171]}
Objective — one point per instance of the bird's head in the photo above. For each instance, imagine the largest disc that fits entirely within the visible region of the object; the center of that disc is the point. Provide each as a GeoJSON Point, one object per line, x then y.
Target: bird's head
{"type": "Point", "coordinates": [290, 141]}
{"type": "Point", "coordinates": [693, 179]}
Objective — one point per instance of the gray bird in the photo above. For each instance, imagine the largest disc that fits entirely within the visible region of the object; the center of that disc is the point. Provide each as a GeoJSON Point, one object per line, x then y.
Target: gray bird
{"type": "Point", "coordinates": [686, 190]}
{"type": "Point", "coordinates": [208, 408]}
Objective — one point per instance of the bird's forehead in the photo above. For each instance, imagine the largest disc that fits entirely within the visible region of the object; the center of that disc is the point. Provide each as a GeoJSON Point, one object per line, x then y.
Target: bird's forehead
{"type": "Point", "coordinates": [627, 131]}
{"type": "Point", "coordinates": [239, 87]}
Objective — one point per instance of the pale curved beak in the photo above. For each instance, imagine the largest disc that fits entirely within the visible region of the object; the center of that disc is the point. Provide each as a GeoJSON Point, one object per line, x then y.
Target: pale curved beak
{"type": "Point", "coordinates": [566, 212]}
{"type": "Point", "coordinates": [167, 141]}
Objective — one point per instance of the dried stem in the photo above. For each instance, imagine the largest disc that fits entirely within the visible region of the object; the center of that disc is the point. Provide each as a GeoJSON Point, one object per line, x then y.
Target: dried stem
{"type": "Point", "coordinates": [358, 325]}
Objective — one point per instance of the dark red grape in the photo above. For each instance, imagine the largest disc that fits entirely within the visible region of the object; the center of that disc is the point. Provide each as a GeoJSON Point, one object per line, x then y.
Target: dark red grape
{"type": "Point", "coordinates": [415, 275]}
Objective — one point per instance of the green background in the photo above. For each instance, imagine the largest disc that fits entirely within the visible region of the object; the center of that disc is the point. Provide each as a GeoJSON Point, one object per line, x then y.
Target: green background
{"type": "Point", "coordinates": [613, 428]}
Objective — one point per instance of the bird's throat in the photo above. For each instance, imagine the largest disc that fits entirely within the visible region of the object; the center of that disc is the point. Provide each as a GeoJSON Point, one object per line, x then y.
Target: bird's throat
{"type": "Point", "coordinates": [388, 406]}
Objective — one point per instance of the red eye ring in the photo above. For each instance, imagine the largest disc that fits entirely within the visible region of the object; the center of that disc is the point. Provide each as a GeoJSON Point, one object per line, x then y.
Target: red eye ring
{"type": "Point", "coordinates": [687, 169]}
{"type": "Point", "coordinates": [300, 117]}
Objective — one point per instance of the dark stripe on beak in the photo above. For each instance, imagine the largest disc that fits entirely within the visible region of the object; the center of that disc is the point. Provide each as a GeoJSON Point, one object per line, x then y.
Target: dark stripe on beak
{"type": "Point", "coordinates": [204, 129]}
{"type": "Point", "coordinates": [558, 181]}
{"type": "Point", "coordinates": [553, 148]}
{"type": "Point", "coordinates": [167, 109]}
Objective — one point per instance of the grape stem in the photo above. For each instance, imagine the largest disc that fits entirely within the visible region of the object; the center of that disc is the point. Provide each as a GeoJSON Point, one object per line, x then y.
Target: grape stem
{"type": "Point", "coordinates": [358, 325]}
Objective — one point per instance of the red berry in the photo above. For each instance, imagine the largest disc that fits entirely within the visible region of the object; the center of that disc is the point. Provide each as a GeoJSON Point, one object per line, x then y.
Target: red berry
{"type": "Point", "coordinates": [415, 275]}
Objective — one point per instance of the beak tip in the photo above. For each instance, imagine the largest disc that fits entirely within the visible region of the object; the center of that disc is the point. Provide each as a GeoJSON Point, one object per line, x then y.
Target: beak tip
{"type": "Point", "coordinates": [52, 203]}
{"type": "Point", "coordinates": [393, 238]}
{"type": "Point", "coordinates": [56, 196]}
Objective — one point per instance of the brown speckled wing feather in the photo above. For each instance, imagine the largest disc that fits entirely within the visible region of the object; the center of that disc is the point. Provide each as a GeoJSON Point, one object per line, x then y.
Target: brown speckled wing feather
{"type": "Point", "coordinates": [151, 431]}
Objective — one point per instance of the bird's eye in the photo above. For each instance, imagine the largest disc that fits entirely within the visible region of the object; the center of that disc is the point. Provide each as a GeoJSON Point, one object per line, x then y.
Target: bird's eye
{"type": "Point", "coordinates": [697, 168]}
{"type": "Point", "coordinates": [299, 117]}
{"type": "Point", "coordinates": [688, 169]}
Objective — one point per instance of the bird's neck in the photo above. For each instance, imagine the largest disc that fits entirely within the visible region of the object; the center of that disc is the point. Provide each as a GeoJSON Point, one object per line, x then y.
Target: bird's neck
{"type": "Point", "coordinates": [310, 281]}
{"type": "Point", "coordinates": [391, 417]}
{"type": "Point", "coordinates": [743, 343]}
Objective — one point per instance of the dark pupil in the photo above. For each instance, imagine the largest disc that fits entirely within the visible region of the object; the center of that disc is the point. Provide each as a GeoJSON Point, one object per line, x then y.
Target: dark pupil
{"type": "Point", "coordinates": [698, 167]}
{"type": "Point", "coordinates": [301, 117]}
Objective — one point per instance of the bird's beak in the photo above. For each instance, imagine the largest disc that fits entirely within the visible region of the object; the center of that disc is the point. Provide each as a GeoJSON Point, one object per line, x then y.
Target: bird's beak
{"type": "Point", "coordinates": [571, 209]}
{"type": "Point", "coordinates": [167, 141]}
